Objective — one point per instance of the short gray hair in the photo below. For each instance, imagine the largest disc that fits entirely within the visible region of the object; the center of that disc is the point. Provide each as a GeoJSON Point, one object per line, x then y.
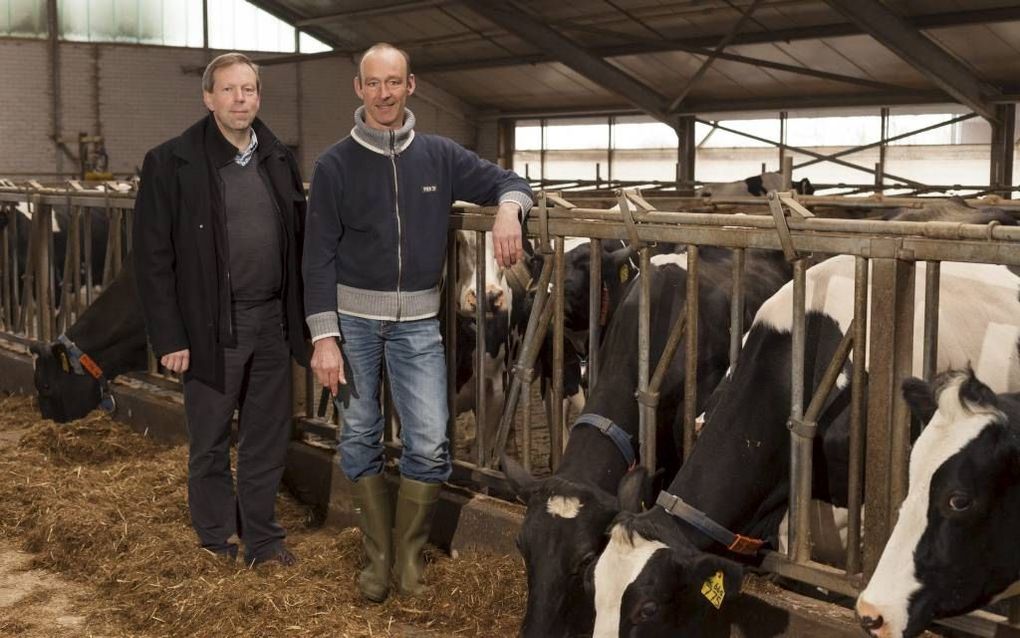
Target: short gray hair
{"type": "Point", "coordinates": [225, 60]}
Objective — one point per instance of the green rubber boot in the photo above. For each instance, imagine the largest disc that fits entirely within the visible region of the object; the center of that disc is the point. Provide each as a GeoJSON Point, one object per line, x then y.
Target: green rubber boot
{"type": "Point", "coordinates": [416, 502]}
{"type": "Point", "coordinates": [375, 517]}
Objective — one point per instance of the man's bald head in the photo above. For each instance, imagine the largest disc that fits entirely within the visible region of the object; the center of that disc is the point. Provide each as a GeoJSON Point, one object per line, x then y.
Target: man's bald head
{"type": "Point", "coordinates": [384, 48]}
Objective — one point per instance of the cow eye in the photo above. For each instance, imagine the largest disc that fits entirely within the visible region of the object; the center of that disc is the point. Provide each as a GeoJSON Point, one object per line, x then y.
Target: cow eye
{"type": "Point", "coordinates": [585, 562]}
{"type": "Point", "coordinates": [648, 610]}
{"type": "Point", "coordinates": [960, 502]}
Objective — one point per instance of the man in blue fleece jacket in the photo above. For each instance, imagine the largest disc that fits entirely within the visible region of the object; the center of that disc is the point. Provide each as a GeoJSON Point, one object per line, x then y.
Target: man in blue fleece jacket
{"type": "Point", "coordinates": [375, 245]}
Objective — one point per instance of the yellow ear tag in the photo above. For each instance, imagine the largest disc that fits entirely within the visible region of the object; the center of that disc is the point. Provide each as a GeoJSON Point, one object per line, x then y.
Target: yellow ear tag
{"type": "Point", "coordinates": [624, 273]}
{"type": "Point", "coordinates": [713, 589]}
{"type": "Point", "coordinates": [65, 363]}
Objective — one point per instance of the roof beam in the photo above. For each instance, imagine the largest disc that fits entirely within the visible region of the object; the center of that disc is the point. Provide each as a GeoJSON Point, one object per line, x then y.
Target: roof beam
{"type": "Point", "coordinates": [373, 12]}
{"type": "Point", "coordinates": [521, 24]}
{"type": "Point", "coordinates": [916, 49]}
{"type": "Point", "coordinates": [538, 58]}
{"type": "Point", "coordinates": [815, 32]}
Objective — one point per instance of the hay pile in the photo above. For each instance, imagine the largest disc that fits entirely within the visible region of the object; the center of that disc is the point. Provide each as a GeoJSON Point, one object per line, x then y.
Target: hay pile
{"type": "Point", "coordinates": [104, 505]}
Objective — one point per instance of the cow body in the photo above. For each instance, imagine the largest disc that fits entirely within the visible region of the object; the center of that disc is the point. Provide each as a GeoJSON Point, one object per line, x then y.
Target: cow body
{"type": "Point", "coordinates": [738, 474]}
{"type": "Point", "coordinates": [112, 332]}
{"type": "Point", "coordinates": [954, 545]}
{"type": "Point", "coordinates": [756, 186]}
{"type": "Point", "coordinates": [567, 515]}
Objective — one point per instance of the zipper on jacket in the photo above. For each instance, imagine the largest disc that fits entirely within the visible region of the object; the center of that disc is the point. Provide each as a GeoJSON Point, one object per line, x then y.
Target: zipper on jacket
{"type": "Point", "coordinates": [396, 209]}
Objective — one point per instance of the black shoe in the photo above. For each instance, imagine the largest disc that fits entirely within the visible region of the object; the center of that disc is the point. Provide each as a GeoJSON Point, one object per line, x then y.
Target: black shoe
{"type": "Point", "coordinates": [282, 556]}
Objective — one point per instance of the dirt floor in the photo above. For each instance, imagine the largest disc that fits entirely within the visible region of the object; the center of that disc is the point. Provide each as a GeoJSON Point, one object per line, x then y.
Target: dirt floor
{"type": "Point", "coordinates": [95, 541]}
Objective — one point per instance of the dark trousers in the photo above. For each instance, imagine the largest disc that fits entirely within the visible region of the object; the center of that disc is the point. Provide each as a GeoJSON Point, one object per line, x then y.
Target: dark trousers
{"type": "Point", "coordinates": [258, 385]}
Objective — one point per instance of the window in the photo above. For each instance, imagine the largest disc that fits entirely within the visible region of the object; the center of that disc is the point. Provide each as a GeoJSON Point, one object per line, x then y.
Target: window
{"type": "Point", "coordinates": [233, 24]}
{"type": "Point", "coordinates": [23, 18]}
{"type": "Point", "coordinates": [164, 22]}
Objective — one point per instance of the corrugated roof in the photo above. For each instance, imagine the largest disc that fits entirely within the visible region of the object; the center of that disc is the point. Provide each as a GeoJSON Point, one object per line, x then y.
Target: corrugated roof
{"type": "Point", "coordinates": [663, 43]}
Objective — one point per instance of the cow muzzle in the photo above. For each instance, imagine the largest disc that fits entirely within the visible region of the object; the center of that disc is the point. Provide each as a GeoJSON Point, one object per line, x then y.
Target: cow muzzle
{"type": "Point", "coordinates": [870, 618]}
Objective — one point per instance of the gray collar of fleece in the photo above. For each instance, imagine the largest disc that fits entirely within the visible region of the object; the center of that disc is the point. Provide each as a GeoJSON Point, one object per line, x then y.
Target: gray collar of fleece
{"type": "Point", "coordinates": [383, 142]}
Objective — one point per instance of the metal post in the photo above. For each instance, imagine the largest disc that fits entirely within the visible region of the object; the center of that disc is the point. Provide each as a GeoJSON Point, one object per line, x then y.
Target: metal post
{"type": "Point", "coordinates": [53, 24]}
{"type": "Point", "coordinates": [450, 304]}
{"type": "Point", "coordinates": [7, 314]}
{"type": "Point", "coordinates": [1002, 148]}
{"type": "Point", "coordinates": [800, 448]}
{"type": "Point", "coordinates": [857, 411]}
{"type": "Point", "coordinates": [541, 172]}
{"type": "Point", "coordinates": [786, 169]}
{"type": "Point", "coordinates": [481, 305]}
{"type": "Point", "coordinates": [43, 220]}
{"type": "Point", "coordinates": [882, 149]}
{"type": "Point", "coordinates": [892, 307]}
{"type": "Point", "coordinates": [931, 319]}
{"type": "Point", "coordinates": [737, 306]}
{"type": "Point", "coordinates": [527, 381]}
{"type": "Point", "coordinates": [691, 363]}
{"type": "Point", "coordinates": [87, 255]}
{"type": "Point", "coordinates": [782, 136]}
{"type": "Point", "coordinates": [594, 311]}
{"type": "Point", "coordinates": [609, 152]}
{"type": "Point", "coordinates": [646, 415]}
{"type": "Point", "coordinates": [686, 154]}
{"type": "Point", "coordinates": [557, 439]}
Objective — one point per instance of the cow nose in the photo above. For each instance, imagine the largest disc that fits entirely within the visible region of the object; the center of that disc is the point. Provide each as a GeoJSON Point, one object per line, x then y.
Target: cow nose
{"type": "Point", "coordinates": [871, 619]}
{"type": "Point", "coordinates": [495, 298]}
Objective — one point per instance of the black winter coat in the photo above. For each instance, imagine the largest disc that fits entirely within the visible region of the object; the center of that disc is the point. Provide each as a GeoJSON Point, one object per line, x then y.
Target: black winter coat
{"type": "Point", "coordinates": [180, 246]}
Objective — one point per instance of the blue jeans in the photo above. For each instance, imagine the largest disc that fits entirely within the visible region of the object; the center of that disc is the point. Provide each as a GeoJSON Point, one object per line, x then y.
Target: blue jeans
{"type": "Point", "coordinates": [416, 365]}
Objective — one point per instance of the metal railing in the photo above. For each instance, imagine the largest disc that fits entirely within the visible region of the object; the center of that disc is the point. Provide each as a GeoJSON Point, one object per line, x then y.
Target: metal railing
{"type": "Point", "coordinates": [884, 252]}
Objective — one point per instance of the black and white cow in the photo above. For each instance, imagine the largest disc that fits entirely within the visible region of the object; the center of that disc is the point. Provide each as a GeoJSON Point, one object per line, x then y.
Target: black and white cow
{"type": "Point", "coordinates": [564, 527]}
{"type": "Point", "coordinates": [954, 209]}
{"type": "Point", "coordinates": [112, 332]}
{"type": "Point", "coordinates": [738, 473]}
{"type": "Point", "coordinates": [954, 545]}
{"type": "Point", "coordinates": [757, 186]}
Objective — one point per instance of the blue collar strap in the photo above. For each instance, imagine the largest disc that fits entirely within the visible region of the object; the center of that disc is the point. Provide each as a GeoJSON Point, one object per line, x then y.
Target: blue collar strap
{"type": "Point", "coordinates": [610, 429]}
{"type": "Point", "coordinates": [737, 543]}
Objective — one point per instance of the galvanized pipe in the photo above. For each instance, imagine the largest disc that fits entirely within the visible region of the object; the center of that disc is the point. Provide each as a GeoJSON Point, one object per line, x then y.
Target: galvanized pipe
{"type": "Point", "coordinates": [737, 306]}
{"type": "Point", "coordinates": [932, 275]}
{"type": "Point", "coordinates": [89, 276]}
{"type": "Point", "coordinates": [557, 440]}
{"type": "Point", "coordinates": [74, 244]}
{"type": "Point", "coordinates": [594, 311]}
{"type": "Point", "coordinates": [855, 471]}
{"type": "Point", "coordinates": [646, 414]}
{"type": "Point", "coordinates": [450, 315]}
{"type": "Point", "coordinates": [7, 314]}
{"type": "Point", "coordinates": [540, 310]}
{"type": "Point", "coordinates": [481, 305]}
{"type": "Point", "coordinates": [43, 222]}
{"type": "Point", "coordinates": [691, 374]}
{"type": "Point", "coordinates": [529, 387]}
{"type": "Point", "coordinates": [800, 448]}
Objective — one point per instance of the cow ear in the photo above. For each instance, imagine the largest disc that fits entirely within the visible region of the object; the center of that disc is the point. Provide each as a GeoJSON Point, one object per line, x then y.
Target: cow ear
{"type": "Point", "coordinates": [920, 397]}
{"type": "Point", "coordinates": [716, 579]}
{"type": "Point", "coordinates": [634, 491]}
{"type": "Point", "coordinates": [521, 481]}
{"type": "Point", "coordinates": [37, 349]}
{"type": "Point", "coordinates": [973, 392]}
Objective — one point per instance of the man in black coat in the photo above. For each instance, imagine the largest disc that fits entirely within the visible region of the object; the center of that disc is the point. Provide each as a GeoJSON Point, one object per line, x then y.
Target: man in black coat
{"type": "Point", "coordinates": [218, 231]}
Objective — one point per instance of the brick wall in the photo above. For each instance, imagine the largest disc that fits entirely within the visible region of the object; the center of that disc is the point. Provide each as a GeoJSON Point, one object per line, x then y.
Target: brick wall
{"type": "Point", "coordinates": [145, 95]}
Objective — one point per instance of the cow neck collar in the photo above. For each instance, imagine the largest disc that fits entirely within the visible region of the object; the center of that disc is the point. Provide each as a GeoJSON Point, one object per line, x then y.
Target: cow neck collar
{"type": "Point", "coordinates": [616, 434]}
{"type": "Point", "coordinates": [84, 365]}
{"type": "Point", "coordinates": [384, 142]}
{"type": "Point", "coordinates": [737, 543]}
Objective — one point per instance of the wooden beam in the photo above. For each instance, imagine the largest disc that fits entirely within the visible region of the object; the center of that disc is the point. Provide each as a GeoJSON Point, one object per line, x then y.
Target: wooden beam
{"type": "Point", "coordinates": [916, 49]}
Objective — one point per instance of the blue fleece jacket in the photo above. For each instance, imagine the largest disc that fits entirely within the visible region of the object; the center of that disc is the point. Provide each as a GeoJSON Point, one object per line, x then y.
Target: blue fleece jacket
{"type": "Point", "coordinates": [378, 221]}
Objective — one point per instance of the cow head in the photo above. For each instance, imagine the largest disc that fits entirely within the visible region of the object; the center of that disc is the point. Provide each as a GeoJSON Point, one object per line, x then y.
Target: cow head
{"type": "Point", "coordinates": [803, 187]}
{"type": "Point", "coordinates": [562, 534]}
{"type": "Point", "coordinates": [954, 545]}
{"type": "Point", "coordinates": [63, 395]}
{"type": "Point", "coordinates": [651, 581]}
